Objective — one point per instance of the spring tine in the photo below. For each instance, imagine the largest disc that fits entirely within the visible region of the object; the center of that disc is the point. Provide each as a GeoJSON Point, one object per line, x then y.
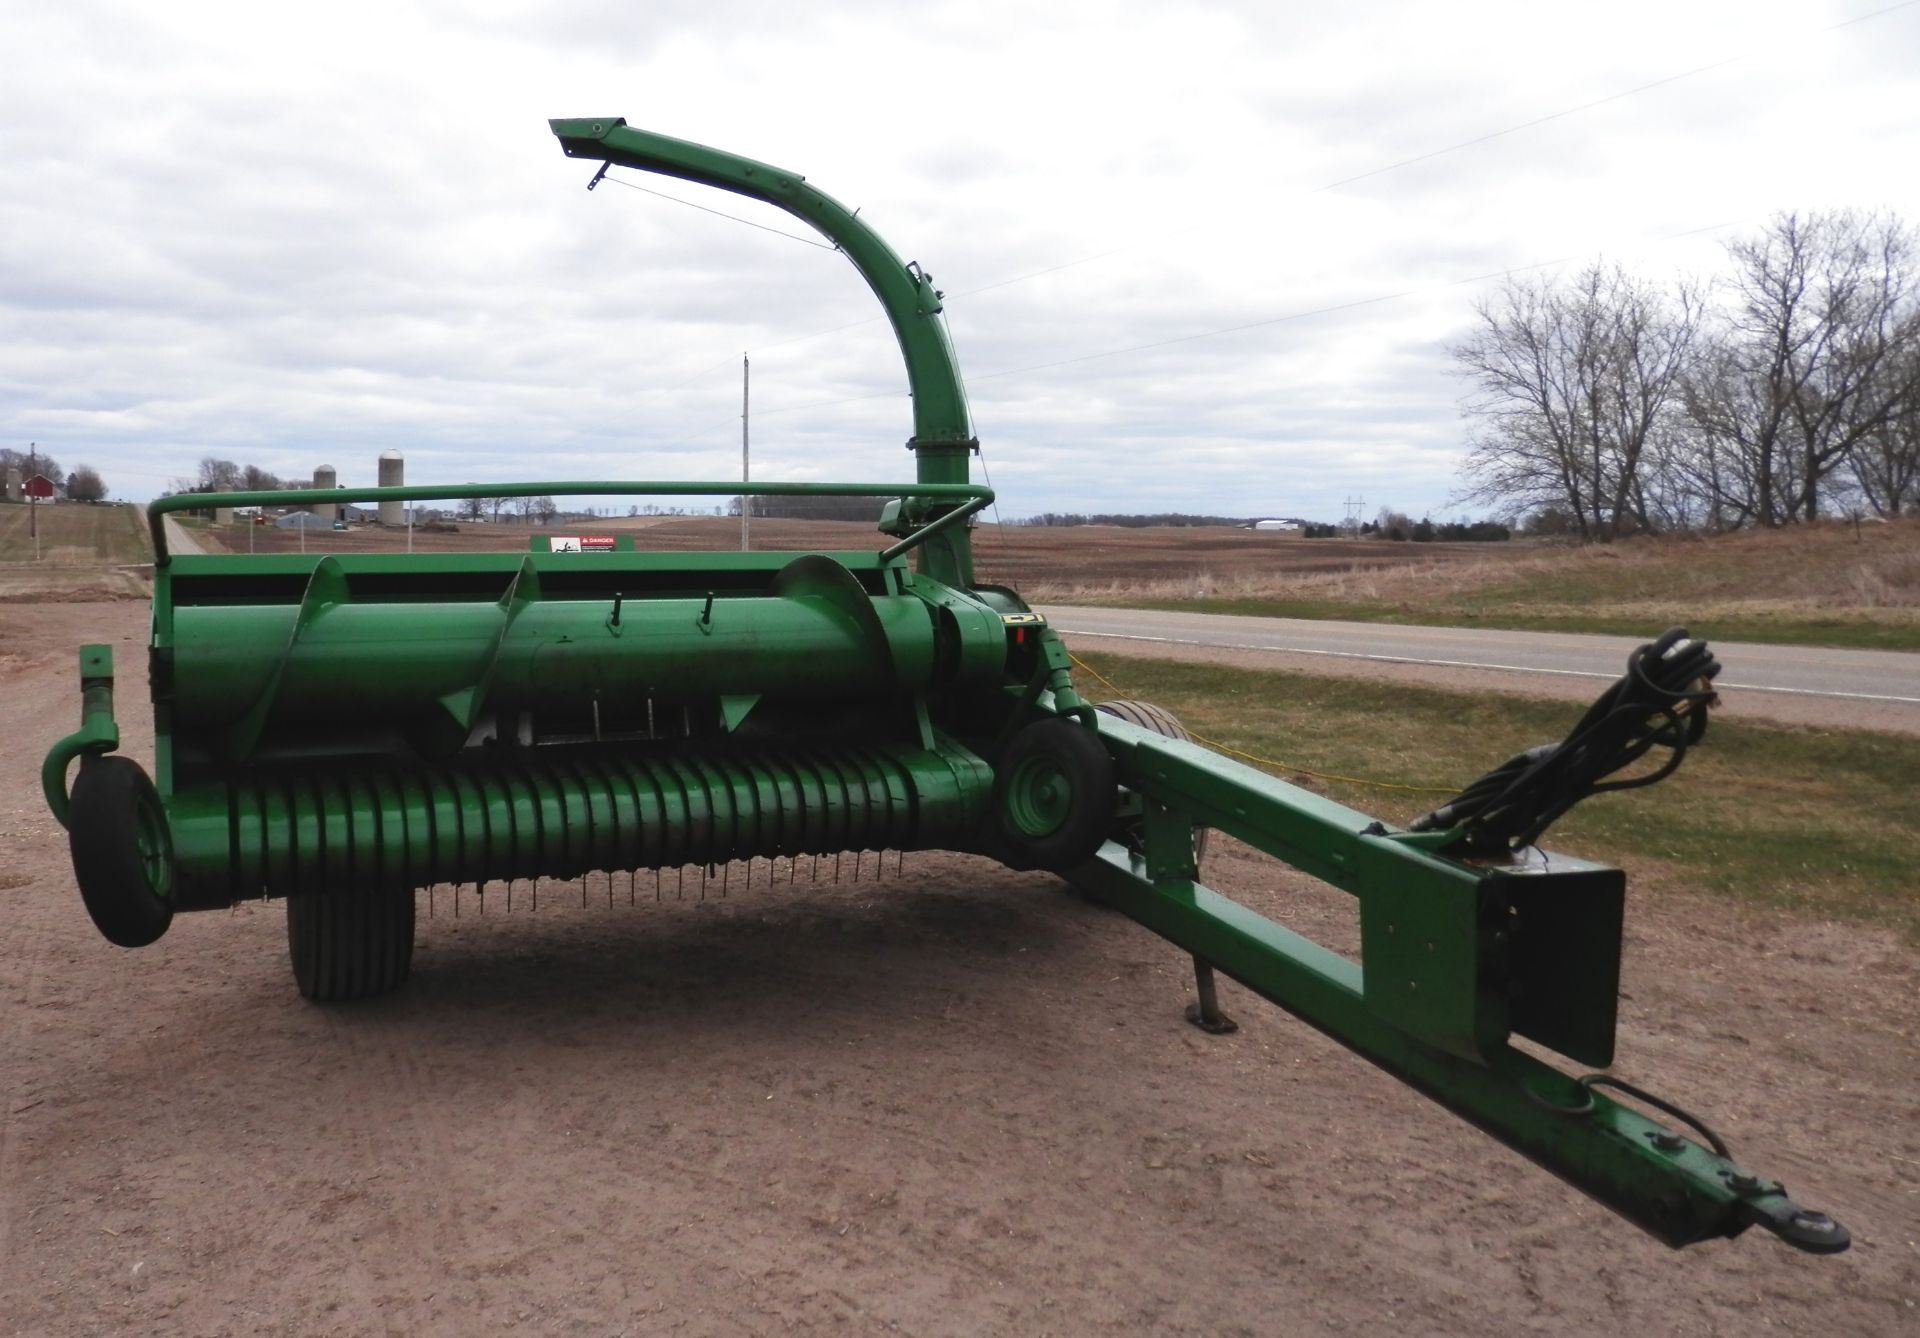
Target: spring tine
{"type": "Point", "coordinates": [456, 901]}
{"type": "Point", "coordinates": [536, 892]}
{"type": "Point", "coordinates": [900, 862]}
{"type": "Point", "coordinates": [656, 886]}
{"type": "Point", "coordinates": [430, 887]}
{"type": "Point", "coordinates": [632, 876]}
{"type": "Point", "coordinates": [836, 868]}
{"type": "Point", "coordinates": [680, 892]}
{"type": "Point", "coordinates": [480, 891]}
{"type": "Point", "coordinates": [609, 874]}
{"type": "Point", "coordinates": [816, 868]}
{"type": "Point", "coordinates": [583, 891]}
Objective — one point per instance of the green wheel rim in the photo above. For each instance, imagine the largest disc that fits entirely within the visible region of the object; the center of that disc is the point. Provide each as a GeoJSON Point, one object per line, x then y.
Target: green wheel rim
{"type": "Point", "coordinates": [154, 843]}
{"type": "Point", "coordinates": [1039, 796]}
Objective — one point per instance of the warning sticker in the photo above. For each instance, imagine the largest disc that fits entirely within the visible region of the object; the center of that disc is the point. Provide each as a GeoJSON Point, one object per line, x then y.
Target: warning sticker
{"type": "Point", "coordinates": [580, 543]}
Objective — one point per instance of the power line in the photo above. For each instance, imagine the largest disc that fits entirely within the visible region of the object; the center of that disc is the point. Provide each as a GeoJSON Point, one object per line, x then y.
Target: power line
{"type": "Point", "coordinates": [1428, 156]}
{"type": "Point", "coordinates": [1255, 325]}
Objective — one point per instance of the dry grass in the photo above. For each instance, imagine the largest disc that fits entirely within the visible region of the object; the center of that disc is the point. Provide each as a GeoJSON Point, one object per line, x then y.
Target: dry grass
{"type": "Point", "coordinates": [86, 552]}
{"type": "Point", "coordinates": [1827, 584]}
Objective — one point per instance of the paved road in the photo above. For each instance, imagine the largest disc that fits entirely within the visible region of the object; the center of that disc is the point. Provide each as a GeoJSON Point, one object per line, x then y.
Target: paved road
{"type": "Point", "coordinates": [1877, 689]}
{"type": "Point", "coordinates": [178, 540]}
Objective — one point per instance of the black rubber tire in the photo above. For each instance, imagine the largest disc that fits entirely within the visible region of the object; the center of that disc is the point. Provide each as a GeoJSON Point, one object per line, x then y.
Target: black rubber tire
{"type": "Point", "coordinates": [122, 850]}
{"type": "Point", "coordinates": [1167, 725]}
{"type": "Point", "coordinates": [1065, 763]}
{"type": "Point", "coordinates": [350, 944]}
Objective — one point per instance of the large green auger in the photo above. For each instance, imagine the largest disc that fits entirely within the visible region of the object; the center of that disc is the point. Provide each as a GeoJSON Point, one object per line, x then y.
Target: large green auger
{"type": "Point", "coordinates": [341, 730]}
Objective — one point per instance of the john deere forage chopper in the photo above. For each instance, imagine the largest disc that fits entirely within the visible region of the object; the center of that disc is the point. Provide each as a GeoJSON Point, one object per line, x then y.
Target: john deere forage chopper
{"type": "Point", "coordinates": [342, 730]}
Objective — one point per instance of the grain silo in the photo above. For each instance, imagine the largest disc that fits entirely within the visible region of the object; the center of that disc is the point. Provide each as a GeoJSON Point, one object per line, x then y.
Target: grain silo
{"type": "Point", "coordinates": [324, 477]}
{"type": "Point", "coordinates": [393, 473]}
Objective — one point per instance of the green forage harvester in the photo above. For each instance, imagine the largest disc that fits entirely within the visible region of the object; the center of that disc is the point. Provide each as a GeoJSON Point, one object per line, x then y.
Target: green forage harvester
{"type": "Point", "coordinates": [339, 730]}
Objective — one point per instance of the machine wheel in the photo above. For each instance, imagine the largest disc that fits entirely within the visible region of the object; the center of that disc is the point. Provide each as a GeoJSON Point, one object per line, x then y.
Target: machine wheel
{"type": "Point", "coordinates": [1167, 725]}
{"type": "Point", "coordinates": [1054, 794]}
{"type": "Point", "coordinates": [122, 851]}
{"type": "Point", "coordinates": [350, 944]}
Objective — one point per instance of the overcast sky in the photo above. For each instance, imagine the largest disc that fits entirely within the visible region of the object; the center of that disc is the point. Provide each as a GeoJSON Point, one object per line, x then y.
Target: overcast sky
{"type": "Point", "coordinates": [293, 234]}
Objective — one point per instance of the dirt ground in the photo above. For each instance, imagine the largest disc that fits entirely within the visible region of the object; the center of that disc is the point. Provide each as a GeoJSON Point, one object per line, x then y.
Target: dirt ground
{"type": "Point", "coordinates": [950, 1100]}
{"type": "Point", "coordinates": [1030, 558]}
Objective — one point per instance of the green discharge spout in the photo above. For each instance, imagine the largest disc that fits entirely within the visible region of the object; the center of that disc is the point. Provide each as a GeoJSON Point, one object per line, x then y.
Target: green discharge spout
{"type": "Point", "coordinates": [942, 427]}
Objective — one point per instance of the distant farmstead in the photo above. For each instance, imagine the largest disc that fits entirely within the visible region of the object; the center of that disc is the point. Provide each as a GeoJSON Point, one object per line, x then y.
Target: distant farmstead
{"type": "Point", "coordinates": [1278, 526]}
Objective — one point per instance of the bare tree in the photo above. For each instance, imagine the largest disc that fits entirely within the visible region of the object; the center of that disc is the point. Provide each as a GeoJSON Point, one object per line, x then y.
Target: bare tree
{"type": "Point", "coordinates": [1886, 462]}
{"type": "Point", "coordinates": [1572, 381]}
{"type": "Point", "coordinates": [85, 485]}
{"type": "Point", "coordinates": [216, 475]}
{"type": "Point", "coordinates": [1810, 361]}
{"type": "Point", "coordinates": [29, 462]}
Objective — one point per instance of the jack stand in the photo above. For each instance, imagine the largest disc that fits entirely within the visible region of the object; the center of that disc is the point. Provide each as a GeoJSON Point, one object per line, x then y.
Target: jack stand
{"type": "Point", "coordinates": [1206, 1014]}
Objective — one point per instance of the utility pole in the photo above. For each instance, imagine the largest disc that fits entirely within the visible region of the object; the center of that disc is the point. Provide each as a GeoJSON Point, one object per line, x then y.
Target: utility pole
{"type": "Point", "coordinates": [33, 501]}
{"type": "Point", "coordinates": [745, 475]}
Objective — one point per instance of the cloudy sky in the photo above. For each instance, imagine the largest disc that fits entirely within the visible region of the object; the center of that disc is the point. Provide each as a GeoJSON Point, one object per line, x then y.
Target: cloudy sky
{"type": "Point", "coordinates": [292, 234]}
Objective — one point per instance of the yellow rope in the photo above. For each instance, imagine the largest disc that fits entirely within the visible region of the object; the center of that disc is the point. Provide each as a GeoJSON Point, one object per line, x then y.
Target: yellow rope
{"type": "Point", "coordinates": [1288, 767]}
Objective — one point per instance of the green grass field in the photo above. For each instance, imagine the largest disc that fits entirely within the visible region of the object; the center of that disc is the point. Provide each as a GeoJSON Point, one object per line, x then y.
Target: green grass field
{"type": "Point", "coordinates": [1820, 822]}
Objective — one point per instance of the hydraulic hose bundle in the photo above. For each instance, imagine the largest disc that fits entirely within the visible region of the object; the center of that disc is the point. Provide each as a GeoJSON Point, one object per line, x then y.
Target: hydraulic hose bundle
{"type": "Point", "coordinates": [1661, 701]}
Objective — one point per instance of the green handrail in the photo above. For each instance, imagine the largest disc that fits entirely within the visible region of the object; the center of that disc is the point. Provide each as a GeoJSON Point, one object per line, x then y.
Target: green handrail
{"type": "Point", "coordinates": [972, 498]}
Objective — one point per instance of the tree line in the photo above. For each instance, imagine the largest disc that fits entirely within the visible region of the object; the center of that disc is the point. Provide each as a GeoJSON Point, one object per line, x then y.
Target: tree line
{"type": "Point", "coordinates": [1606, 404]}
{"type": "Point", "coordinates": [1399, 528]}
{"type": "Point", "coordinates": [1167, 518]}
{"type": "Point", "coordinates": [80, 484]}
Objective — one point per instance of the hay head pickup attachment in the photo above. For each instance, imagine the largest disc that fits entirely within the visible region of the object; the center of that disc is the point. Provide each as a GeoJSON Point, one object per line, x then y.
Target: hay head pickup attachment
{"type": "Point", "coordinates": [339, 730]}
